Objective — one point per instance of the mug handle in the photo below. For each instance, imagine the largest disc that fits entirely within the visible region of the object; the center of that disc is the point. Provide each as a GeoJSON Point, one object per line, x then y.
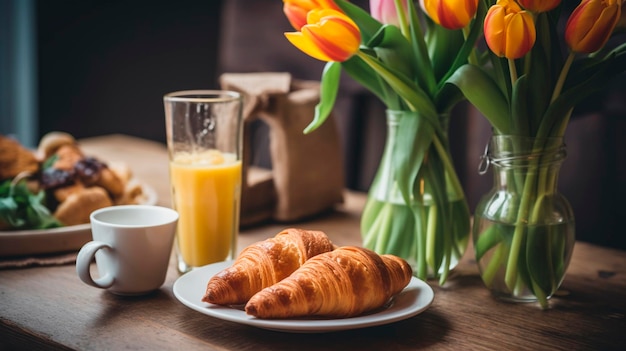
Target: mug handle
{"type": "Point", "coordinates": [83, 261]}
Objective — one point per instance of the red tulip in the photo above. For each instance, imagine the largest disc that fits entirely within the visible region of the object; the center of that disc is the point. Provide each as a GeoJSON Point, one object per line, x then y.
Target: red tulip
{"type": "Point", "coordinates": [591, 24]}
{"type": "Point", "coordinates": [509, 30]}
{"type": "Point", "coordinates": [450, 14]}
{"type": "Point", "coordinates": [329, 35]}
{"type": "Point", "coordinates": [539, 5]}
{"type": "Point", "coordinates": [297, 10]}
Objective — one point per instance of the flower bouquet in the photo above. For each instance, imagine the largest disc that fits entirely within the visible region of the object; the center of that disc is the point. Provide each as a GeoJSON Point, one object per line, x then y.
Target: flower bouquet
{"type": "Point", "coordinates": [404, 55]}
{"type": "Point", "coordinates": [527, 87]}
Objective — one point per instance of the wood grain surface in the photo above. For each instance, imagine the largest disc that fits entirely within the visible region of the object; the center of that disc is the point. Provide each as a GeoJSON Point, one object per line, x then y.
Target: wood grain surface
{"type": "Point", "coordinates": [50, 308]}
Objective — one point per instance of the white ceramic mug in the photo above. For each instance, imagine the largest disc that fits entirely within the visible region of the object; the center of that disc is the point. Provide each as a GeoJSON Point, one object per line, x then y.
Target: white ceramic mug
{"type": "Point", "coordinates": [132, 245]}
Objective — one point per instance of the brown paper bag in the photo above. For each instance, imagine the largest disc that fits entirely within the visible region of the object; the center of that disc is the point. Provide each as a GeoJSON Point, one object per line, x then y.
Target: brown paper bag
{"type": "Point", "coordinates": [307, 169]}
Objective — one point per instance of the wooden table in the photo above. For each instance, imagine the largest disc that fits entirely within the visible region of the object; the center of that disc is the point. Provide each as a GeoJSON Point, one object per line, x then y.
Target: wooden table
{"type": "Point", "coordinates": [49, 308]}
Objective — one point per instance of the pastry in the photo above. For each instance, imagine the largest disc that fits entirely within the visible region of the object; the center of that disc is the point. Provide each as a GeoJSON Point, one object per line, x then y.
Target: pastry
{"type": "Point", "coordinates": [265, 263]}
{"type": "Point", "coordinates": [345, 282]}
{"type": "Point", "coordinates": [15, 159]}
{"type": "Point", "coordinates": [78, 205]}
{"type": "Point", "coordinates": [51, 142]}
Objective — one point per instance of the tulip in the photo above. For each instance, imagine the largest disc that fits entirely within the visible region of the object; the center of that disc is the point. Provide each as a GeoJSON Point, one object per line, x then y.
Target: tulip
{"type": "Point", "coordinates": [509, 30]}
{"type": "Point", "coordinates": [590, 25]}
{"type": "Point", "coordinates": [329, 35]}
{"type": "Point", "coordinates": [539, 5]}
{"type": "Point", "coordinates": [385, 11]}
{"type": "Point", "coordinates": [450, 14]}
{"type": "Point", "coordinates": [297, 10]}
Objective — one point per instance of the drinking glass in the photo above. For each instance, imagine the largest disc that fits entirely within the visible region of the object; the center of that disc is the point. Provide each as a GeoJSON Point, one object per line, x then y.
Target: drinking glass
{"type": "Point", "coordinates": [205, 141]}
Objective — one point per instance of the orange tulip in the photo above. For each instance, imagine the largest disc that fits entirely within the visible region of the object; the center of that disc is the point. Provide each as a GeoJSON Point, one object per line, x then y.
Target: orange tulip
{"type": "Point", "coordinates": [539, 5]}
{"type": "Point", "coordinates": [450, 14]}
{"type": "Point", "coordinates": [591, 24]}
{"type": "Point", "coordinates": [297, 10]}
{"type": "Point", "coordinates": [329, 35]}
{"type": "Point", "coordinates": [509, 30]}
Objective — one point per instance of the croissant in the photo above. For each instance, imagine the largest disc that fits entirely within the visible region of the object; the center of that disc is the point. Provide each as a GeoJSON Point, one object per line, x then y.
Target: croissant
{"type": "Point", "coordinates": [345, 282]}
{"type": "Point", "coordinates": [265, 263]}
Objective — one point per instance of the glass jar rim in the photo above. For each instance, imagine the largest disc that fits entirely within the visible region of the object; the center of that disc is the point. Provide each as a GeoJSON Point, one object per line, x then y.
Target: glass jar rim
{"type": "Point", "coordinates": [202, 95]}
{"type": "Point", "coordinates": [522, 152]}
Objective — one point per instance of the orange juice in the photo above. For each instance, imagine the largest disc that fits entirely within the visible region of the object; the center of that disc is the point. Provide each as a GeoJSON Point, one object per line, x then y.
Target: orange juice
{"type": "Point", "coordinates": [206, 189]}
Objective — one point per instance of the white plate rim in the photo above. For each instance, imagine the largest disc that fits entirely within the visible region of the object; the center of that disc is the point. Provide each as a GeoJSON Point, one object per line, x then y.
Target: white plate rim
{"type": "Point", "coordinates": [189, 289]}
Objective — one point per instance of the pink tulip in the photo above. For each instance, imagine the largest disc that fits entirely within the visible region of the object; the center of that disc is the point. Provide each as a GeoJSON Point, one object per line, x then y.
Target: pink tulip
{"type": "Point", "coordinates": [385, 11]}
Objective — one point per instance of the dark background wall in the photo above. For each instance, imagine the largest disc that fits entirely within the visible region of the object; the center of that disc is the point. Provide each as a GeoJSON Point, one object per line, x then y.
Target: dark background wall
{"type": "Point", "coordinates": [105, 65]}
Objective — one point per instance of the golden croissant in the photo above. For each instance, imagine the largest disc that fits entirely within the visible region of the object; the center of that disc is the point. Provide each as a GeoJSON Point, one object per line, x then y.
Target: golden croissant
{"type": "Point", "coordinates": [265, 263]}
{"type": "Point", "coordinates": [345, 282]}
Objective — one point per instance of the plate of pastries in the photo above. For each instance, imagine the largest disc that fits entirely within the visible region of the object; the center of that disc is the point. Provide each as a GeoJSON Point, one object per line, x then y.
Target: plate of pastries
{"type": "Point", "coordinates": [299, 281]}
{"type": "Point", "coordinates": [47, 194]}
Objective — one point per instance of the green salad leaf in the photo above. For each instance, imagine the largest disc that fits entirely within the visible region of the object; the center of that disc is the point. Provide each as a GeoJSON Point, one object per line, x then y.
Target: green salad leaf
{"type": "Point", "coordinates": [21, 209]}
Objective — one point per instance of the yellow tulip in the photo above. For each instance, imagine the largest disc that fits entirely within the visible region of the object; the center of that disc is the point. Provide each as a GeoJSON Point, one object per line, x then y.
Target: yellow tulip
{"type": "Point", "coordinates": [590, 25]}
{"type": "Point", "coordinates": [297, 10]}
{"type": "Point", "coordinates": [329, 35]}
{"type": "Point", "coordinates": [509, 30]}
{"type": "Point", "coordinates": [539, 5]}
{"type": "Point", "coordinates": [450, 14]}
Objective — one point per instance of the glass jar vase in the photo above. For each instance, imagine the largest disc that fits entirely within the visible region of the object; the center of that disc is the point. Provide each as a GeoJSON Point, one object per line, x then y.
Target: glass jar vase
{"type": "Point", "coordinates": [429, 224]}
{"type": "Point", "coordinates": [524, 230]}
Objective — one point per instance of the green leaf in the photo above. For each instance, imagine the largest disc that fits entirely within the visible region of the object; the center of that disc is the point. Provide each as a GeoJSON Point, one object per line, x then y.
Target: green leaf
{"type": "Point", "coordinates": [415, 98]}
{"type": "Point", "coordinates": [423, 67]}
{"type": "Point", "coordinates": [484, 94]}
{"type": "Point", "coordinates": [22, 209]}
{"type": "Point", "coordinates": [366, 76]}
{"type": "Point", "coordinates": [443, 45]}
{"type": "Point", "coordinates": [467, 46]}
{"type": "Point", "coordinates": [487, 240]}
{"type": "Point", "coordinates": [415, 135]}
{"type": "Point", "coordinates": [557, 115]}
{"type": "Point", "coordinates": [328, 94]}
{"type": "Point", "coordinates": [393, 49]}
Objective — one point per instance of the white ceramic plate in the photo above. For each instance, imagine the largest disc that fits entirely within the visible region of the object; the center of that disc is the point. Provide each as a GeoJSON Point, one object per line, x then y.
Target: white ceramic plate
{"type": "Point", "coordinates": [190, 287]}
{"type": "Point", "coordinates": [45, 241]}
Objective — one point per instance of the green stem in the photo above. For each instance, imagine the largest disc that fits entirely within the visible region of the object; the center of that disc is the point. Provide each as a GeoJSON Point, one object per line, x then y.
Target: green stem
{"type": "Point", "coordinates": [422, 267]}
{"type": "Point", "coordinates": [431, 236]}
{"type": "Point", "coordinates": [493, 265]}
{"type": "Point", "coordinates": [510, 277]}
{"type": "Point", "coordinates": [404, 26]}
{"type": "Point", "coordinates": [447, 246]}
{"type": "Point", "coordinates": [512, 71]}
{"type": "Point", "coordinates": [559, 83]}
{"type": "Point", "coordinates": [472, 58]}
{"type": "Point", "coordinates": [449, 167]}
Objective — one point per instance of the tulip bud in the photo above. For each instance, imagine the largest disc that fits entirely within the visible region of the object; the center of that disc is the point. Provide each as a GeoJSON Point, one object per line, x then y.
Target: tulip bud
{"type": "Point", "coordinates": [297, 10]}
{"type": "Point", "coordinates": [591, 24]}
{"type": "Point", "coordinates": [385, 11]}
{"type": "Point", "coordinates": [450, 14]}
{"type": "Point", "coordinates": [539, 5]}
{"type": "Point", "coordinates": [329, 35]}
{"type": "Point", "coordinates": [509, 30]}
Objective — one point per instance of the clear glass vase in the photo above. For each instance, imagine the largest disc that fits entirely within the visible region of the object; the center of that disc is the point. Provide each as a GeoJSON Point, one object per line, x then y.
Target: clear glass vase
{"type": "Point", "coordinates": [430, 226]}
{"type": "Point", "coordinates": [524, 229]}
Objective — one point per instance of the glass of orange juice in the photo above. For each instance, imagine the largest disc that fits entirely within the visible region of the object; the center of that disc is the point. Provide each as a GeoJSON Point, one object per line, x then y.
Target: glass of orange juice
{"type": "Point", "coordinates": [205, 142]}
